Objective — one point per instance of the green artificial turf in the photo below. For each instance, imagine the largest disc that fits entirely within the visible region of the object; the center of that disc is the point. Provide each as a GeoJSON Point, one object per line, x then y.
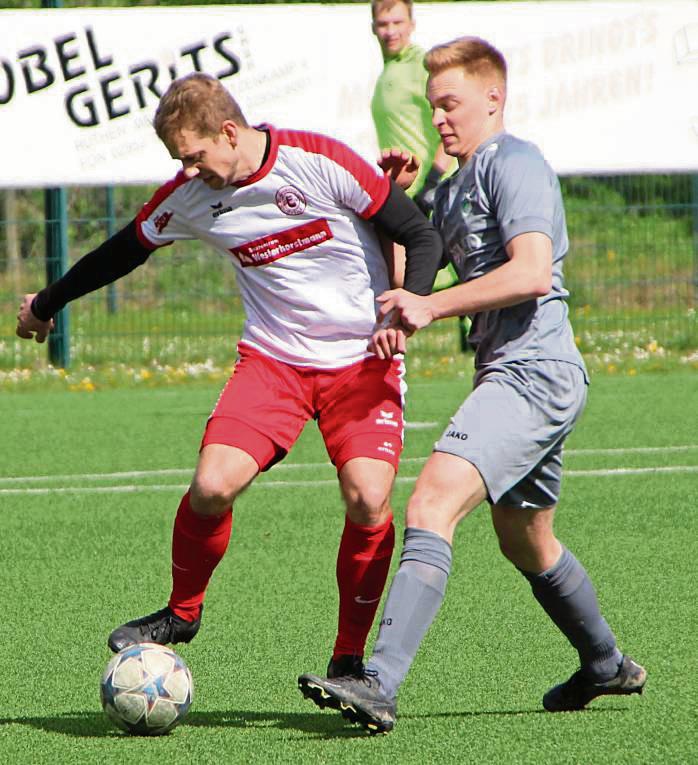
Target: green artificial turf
{"type": "Point", "coordinates": [77, 563]}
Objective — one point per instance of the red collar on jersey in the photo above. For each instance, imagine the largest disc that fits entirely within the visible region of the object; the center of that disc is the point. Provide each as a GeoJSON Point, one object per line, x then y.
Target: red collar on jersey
{"type": "Point", "coordinates": [269, 155]}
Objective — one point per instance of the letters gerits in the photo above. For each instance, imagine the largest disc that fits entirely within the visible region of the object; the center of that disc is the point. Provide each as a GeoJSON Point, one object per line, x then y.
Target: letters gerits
{"type": "Point", "coordinates": [79, 54]}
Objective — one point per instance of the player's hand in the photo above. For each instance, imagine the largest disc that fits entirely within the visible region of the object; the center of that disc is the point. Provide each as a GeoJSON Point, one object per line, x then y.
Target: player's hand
{"type": "Point", "coordinates": [28, 326]}
{"type": "Point", "coordinates": [388, 341]}
{"type": "Point", "coordinates": [401, 166]}
{"type": "Point", "coordinates": [407, 310]}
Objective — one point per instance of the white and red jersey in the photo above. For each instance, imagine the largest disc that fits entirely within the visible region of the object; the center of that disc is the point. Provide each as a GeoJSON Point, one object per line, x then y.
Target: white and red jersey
{"type": "Point", "coordinates": [309, 264]}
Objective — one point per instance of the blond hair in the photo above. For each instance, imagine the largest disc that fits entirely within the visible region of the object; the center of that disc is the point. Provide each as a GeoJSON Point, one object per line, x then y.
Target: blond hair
{"type": "Point", "coordinates": [385, 5]}
{"type": "Point", "coordinates": [195, 102]}
{"type": "Point", "coordinates": [473, 54]}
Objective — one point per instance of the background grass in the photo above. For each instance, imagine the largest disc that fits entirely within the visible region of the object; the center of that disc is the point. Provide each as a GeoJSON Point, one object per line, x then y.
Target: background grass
{"type": "Point", "coordinates": [78, 564]}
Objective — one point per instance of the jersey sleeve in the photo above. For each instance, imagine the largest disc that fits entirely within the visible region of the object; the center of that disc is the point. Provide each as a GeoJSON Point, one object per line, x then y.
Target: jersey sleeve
{"type": "Point", "coordinates": [351, 180]}
{"type": "Point", "coordinates": [521, 187]}
{"type": "Point", "coordinates": [162, 220]}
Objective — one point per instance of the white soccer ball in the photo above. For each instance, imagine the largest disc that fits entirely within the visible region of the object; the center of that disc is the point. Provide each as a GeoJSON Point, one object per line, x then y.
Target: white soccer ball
{"type": "Point", "coordinates": [146, 689]}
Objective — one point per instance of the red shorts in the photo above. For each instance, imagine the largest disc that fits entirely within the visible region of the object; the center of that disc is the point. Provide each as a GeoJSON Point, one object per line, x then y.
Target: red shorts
{"type": "Point", "coordinates": [265, 404]}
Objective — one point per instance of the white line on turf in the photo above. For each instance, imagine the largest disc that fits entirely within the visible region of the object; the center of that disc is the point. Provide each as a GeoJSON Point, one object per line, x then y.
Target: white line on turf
{"type": "Point", "coordinates": [268, 484]}
{"type": "Point", "coordinates": [97, 476]}
{"type": "Point", "coordinates": [313, 465]}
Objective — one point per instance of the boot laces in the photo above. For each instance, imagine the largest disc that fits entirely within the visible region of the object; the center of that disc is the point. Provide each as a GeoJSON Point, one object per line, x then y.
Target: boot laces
{"type": "Point", "coordinates": [369, 677]}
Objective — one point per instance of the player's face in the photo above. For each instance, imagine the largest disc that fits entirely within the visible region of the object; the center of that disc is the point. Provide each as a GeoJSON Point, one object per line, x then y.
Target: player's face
{"type": "Point", "coordinates": [212, 160]}
{"type": "Point", "coordinates": [393, 28]}
{"type": "Point", "coordinates": [467, 109]}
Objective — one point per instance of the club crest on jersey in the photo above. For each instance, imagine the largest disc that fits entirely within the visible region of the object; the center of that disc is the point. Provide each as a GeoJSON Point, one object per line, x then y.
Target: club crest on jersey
{"type": "Point", "coordinates": [468, 198]}
{"type": "Point", "coordinates": [290, 200]}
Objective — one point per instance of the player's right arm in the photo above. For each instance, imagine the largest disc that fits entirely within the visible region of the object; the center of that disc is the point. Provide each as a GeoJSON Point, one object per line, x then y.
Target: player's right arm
{"type": "Point", "coordinates": [162, 220]}
{"type": "Point", "coordinates": [113, 259]}
{"type": "Point", "coordinates": [28, 325]}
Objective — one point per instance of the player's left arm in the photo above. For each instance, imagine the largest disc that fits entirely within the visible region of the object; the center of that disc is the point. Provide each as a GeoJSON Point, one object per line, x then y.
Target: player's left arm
{"type": "Point", "coordinates": [354, 183]}
{"type": "Point", "coordinates": [394, 256]}
{"type": "Point", "coordinates": [401, 220]}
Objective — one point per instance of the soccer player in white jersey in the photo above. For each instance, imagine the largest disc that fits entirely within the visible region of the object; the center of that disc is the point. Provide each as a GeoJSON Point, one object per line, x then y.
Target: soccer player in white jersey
{"type": "Point", "coordinates": [298, 215]}
{"type": "Point", "coordinates": [502, 220]}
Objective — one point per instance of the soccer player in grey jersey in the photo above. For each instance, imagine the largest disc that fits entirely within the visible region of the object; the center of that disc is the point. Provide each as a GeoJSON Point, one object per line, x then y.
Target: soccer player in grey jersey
{"type": "Point", "coordinates": [502, 221]}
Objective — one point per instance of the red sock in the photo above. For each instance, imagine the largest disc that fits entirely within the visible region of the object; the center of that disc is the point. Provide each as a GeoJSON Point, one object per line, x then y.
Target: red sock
{"type": "Point", "coordinates": [198, 544]}
{"type": "Point", "coordinates": [362, 568]}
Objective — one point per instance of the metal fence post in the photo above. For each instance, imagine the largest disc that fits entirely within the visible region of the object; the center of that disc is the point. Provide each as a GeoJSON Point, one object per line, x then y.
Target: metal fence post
{"type": "Point", "coordinates": [56, 213]}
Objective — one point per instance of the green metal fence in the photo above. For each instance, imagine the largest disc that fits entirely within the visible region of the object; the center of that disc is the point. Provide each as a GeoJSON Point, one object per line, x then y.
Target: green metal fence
{"type": "Point", "coordinates": [632, 271]}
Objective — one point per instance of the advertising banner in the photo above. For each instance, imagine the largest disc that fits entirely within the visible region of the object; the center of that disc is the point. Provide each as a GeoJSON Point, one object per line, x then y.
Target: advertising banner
{"type": "Point", "coordinates": [601, 87]}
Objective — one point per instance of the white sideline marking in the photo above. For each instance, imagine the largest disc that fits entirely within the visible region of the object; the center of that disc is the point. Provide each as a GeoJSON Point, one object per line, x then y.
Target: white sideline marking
{"type": "Point", "coordinates": [126, 489]}
{"type": "Point", "coordinates": [311, 465]}
{"type": "Point", "coordinates": [633, 471]}
{"type": "Point", "coordinates": [130, 488]}
{"type": "Point", "coordinates": [97, 476]}
{"type": "Point", "coordinates": [632, 450]}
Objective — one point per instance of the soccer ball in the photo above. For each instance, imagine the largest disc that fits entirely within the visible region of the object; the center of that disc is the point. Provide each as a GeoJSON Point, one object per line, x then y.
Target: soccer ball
{"type": "Point", "coordinates": [146, 689]}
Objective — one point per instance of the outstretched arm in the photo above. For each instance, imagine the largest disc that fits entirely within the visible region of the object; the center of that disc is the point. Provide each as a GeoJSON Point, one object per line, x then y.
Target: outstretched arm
{"type": "Point", "coordinates": [28, 325]}
{"type": "Point", "coordinates": [527, 275]}
{"type": "Point", "coordinates": [113, 259]}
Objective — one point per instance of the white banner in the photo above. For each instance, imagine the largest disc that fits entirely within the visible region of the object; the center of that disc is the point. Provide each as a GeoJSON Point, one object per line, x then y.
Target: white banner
{"type": "Point", "coordinates": [601, 87]}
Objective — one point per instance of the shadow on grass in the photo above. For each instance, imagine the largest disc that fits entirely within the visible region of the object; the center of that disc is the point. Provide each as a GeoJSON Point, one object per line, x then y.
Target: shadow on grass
{"type": "Point", "coordinates": [96, 725]}
{"type": "Point", "coordinates": [319, 725]}
{"type": "Point", "coordinates": [507, 713]}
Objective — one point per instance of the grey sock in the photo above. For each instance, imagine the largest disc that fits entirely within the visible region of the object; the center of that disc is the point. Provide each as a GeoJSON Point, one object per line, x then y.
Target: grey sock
{"type": "Point", "coordinates": [569, 599]}
{"type": "Point", "coordinates": [413, 601]}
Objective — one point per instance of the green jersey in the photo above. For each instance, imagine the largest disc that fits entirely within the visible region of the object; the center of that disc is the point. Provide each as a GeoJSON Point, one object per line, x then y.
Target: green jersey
{"type": "Point", "coordinates": [401, 112]}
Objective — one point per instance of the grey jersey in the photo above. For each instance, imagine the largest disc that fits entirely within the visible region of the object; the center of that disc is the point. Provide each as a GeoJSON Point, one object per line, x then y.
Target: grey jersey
{"type": "Point", "coordinates": [505, 189]}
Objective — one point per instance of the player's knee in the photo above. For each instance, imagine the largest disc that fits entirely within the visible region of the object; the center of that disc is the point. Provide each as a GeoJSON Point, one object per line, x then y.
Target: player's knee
{"type": "Point", "coordinates": [521, 552]}
{"type": "Point", "coordinates": [421, 510]}
{"type": "Point", "coordinates": [368, 505]}
{"type": "Point", "coordinates": [510, 548]}
{"type": "Point", "coordinates": [211, 495]}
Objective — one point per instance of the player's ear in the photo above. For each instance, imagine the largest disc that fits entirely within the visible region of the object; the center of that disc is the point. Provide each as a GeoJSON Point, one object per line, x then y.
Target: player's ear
{"type": "Point", "coordinates": [230, 130]}
{"type": "Point", "coordinates": [495, 99]}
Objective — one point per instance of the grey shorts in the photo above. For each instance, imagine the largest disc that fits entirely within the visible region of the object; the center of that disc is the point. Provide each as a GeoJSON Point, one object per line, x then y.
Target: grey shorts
{"type": "Point", "coordinates": [512, 427]}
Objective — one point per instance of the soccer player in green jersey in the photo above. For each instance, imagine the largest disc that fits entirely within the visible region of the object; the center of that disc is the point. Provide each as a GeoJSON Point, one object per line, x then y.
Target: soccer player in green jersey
{"type": "Point", "coordinates": [401, 112]}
